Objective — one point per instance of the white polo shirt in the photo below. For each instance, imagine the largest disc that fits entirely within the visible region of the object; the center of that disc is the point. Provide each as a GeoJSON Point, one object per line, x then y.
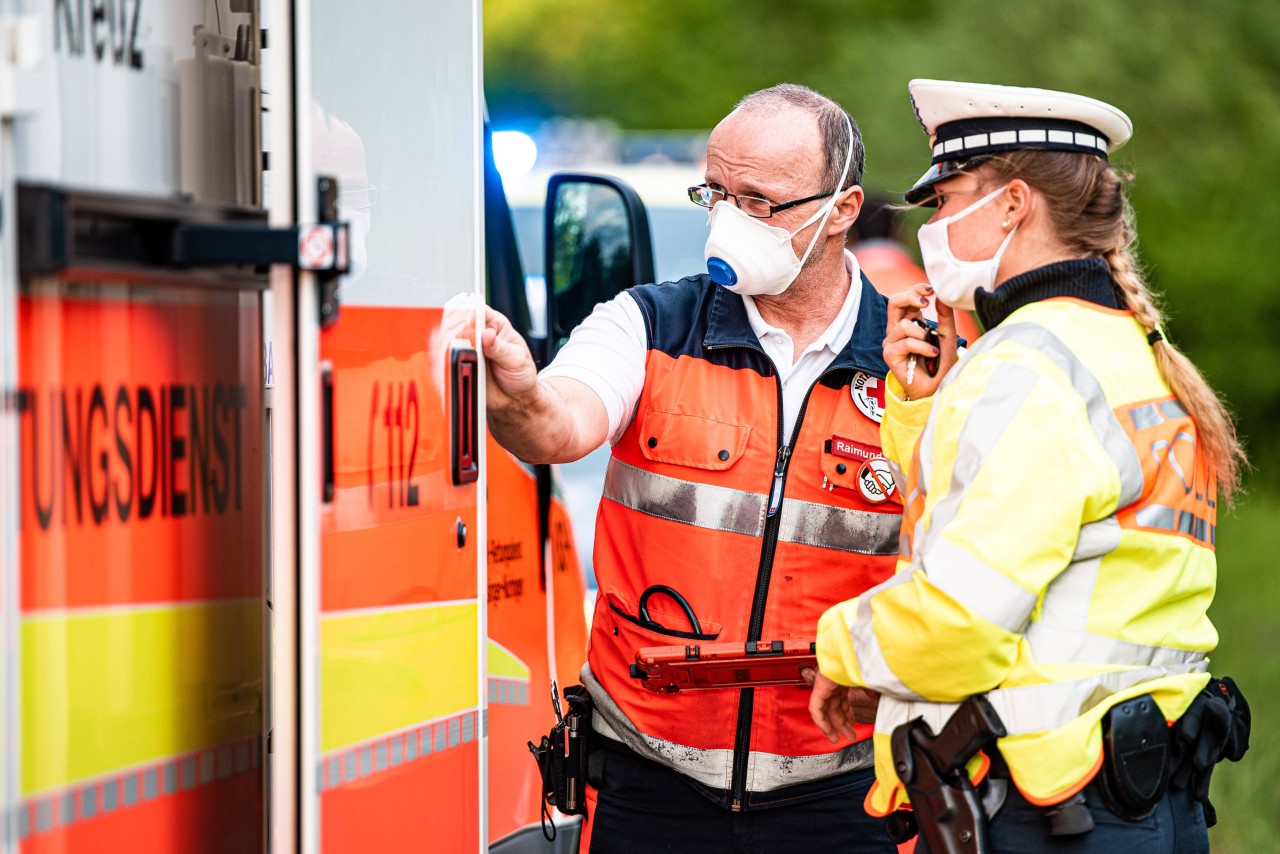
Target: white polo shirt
{"type": "Point", "coordinates": [607, 351]}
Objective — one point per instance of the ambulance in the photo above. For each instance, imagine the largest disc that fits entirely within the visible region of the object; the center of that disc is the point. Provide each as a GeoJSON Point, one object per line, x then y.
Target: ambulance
{"type": "Point", "coordinates": [265, 582]}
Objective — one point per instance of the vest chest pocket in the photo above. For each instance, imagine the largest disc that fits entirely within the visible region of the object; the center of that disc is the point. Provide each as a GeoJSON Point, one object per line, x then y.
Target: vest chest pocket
{"type": "Point", "coordinates": [858, 468]}
{"type": "Point", "coordinates": [692, 440]}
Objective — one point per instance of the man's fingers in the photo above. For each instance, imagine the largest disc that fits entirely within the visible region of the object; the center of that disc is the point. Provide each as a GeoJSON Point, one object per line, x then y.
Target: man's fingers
{"type": "Point", "coordinates": [844, 720]}
{"type": "Point", "coordinates": [500, 342]}
{"type": "Point", "coordinates": [818, 713]}
{"type": "Point", "coordinates": [497, 351]}
{"type": "Point", "coordinates": [511, 371]}
{"type": "Point", "coordinates": [808, 674]}
{"type": "Point", "coordinates": [822, 704]}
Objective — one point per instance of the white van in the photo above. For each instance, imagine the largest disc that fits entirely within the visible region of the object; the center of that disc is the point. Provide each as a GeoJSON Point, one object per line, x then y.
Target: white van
{"type": "Point", "coordinates": [679, 233]}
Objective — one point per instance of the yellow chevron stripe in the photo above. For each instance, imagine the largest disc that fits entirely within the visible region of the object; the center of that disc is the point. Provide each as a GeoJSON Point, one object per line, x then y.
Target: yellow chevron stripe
{"type": "Point", "coordinates": [505, 663]}
{"type": "Point", "coordinates": [382, 671]}
{"type": "Point", "coordinates": [102, 691]}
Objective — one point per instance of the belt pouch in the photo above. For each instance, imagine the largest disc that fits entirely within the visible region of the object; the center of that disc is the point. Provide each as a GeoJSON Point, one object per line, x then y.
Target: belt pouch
{"type": "Point", "coordinates": [577, 733]}
{"type": "Point", "coordinates": [1135, 770]}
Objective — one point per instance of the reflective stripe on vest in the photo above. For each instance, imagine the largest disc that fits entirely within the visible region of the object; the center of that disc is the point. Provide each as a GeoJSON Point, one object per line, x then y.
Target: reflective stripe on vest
{"type": "Point", "coordinates": [701, 505]}
{"type": "Point", "coordinates": [1105, 424]}
{"type": "Point", "coordinates": [839, 528]}
{"type": "Point", "coordinates": [875, 670]}
{"type": "Point", "coordinates": [713, 768]}
{"type": "Point", "coordinates": [1180, 521]}
{"type": "Point", "coordinates": [735, 511]}
{"type": "Point", "coordinates": [1155, 414]}
{"type": "Point", "coordinates": [1036, 708]}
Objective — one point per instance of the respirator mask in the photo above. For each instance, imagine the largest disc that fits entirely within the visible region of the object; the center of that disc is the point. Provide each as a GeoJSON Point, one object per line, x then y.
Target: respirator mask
{"type": "Point", "coordinates": [748, 256]}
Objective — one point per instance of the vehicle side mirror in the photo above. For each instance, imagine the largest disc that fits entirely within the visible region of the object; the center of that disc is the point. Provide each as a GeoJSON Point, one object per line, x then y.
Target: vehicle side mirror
{"type": "Point", "coordinates": [597, 245]}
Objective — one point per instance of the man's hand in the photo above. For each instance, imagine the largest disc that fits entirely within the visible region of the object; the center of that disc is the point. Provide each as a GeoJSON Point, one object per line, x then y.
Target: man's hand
{"type": "Point", "coordinates": [556, 420]}
{"type": "Point", "coordinates": [836, 708]}
{"type": "Point", "coordinates": [512, 375]}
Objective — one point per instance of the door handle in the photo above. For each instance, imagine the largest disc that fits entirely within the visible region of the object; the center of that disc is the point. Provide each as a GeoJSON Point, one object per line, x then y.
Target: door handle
{"type": "Point", "coordinates": [465, 456]}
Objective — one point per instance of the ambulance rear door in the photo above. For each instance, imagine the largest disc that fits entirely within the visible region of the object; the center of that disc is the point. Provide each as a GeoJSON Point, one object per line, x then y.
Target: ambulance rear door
{"type": "Point", "coordinates": [387, 116]}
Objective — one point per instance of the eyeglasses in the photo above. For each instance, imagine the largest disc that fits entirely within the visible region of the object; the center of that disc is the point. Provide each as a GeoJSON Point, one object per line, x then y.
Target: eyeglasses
{"type": "Point", "coordinates": [707, 197]}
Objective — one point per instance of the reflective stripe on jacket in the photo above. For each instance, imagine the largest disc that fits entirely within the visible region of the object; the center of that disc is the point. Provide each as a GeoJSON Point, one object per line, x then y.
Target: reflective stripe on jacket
{"type": "Point", "coordinates": [689, 502]}
{"type": "Point", "coordinates": [1057, 549]}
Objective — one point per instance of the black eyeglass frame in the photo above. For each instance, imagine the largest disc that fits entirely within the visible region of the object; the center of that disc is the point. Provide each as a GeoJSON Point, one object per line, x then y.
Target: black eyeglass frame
{"type": "Point", "coordinates": [695, 196]}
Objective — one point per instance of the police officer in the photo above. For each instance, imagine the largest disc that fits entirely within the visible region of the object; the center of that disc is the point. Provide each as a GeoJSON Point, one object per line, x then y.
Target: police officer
{"type": "Point", "coordinates": [741, 498]}
{"type": "Point", "coordinates": [1062, 482]}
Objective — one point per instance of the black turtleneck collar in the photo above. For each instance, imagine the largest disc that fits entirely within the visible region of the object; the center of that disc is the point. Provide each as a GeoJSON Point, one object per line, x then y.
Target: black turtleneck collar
{"type": "Point", "coordinates": [1083, 278]}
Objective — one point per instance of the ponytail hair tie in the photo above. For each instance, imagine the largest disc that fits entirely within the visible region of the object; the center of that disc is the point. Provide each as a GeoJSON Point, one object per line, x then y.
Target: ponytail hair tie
{"type": "Point", "coordinates": [1153, 336]}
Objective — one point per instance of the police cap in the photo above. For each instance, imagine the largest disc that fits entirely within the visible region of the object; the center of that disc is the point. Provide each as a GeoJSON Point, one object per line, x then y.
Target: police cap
{"type": "Point", "coordinates": [969, 122]}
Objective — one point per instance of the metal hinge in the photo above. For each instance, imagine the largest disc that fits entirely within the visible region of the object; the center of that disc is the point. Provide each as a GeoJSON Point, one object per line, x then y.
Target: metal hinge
{"type": "Point", "coordinates": [63, 230]}
{"type": "Point", "coordinates": [322, 247]}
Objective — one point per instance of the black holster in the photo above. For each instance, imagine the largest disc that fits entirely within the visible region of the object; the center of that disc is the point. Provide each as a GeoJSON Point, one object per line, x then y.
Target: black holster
{"type": "Point", "coordinates": [1135, 767]}
{"type": "Point", "coordinates": [562, 757]}
{"type": "Point", "coordinates": [947, 809]}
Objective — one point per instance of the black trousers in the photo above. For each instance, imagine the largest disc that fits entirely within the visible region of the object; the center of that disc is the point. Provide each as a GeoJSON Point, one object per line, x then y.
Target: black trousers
{"type": "Point", "coordinates": [1175, 827]}
{"type": "Point", "coordinates": [643, 806]}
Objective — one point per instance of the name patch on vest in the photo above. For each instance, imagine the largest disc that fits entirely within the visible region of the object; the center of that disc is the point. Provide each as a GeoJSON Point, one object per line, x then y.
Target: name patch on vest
{"type": "Point", "coordinates": [850, 449]}
{"type": "Point", "coordinates": [875, 480]}
{"type": "Point", "coordinates": [868, 395]}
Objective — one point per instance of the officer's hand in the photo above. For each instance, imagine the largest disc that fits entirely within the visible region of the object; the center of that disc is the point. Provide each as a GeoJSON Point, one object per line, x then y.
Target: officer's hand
{"type": "Point", "coordinates": [904, 339]}
{"type": "Point", "coordinates": [512, 374]}
{"type": "Point", "coordinates": [836, 708]}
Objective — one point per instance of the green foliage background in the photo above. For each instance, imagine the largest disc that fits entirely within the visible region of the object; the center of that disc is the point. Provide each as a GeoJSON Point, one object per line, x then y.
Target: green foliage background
{"type": "Point", "coordinates": [1201, 81]}
{"type": "Point", "coordinates": [1199, 78]}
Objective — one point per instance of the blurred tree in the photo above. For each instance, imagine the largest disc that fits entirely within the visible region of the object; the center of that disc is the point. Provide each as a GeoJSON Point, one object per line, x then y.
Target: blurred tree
{"type": "Point", "coordinates": [1201, 82]}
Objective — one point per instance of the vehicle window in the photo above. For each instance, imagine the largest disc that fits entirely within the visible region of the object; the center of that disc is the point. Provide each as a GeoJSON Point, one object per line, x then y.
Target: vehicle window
{"type": "Point", "coordinates": [678, 239]}
{"type": "Point", "coordinates": [679, 235]}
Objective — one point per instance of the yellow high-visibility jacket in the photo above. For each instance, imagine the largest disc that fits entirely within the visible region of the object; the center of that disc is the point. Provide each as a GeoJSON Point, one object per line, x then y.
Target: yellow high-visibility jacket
{"type": "Point", "coordinates": [1057, 549]}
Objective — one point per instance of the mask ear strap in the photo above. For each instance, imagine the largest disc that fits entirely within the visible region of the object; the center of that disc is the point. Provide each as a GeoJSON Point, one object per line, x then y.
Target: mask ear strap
{"type": "Point", "coordinates": [973, 207]}
{"type": "Point", "coordinates": [831, 204]}
{"type": "Point", "coordinates": [1004, 245]}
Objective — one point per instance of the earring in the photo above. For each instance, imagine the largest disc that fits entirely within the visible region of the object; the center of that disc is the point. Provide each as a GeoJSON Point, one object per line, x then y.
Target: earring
{"type": "Point", "coordinates": [1005, 224]}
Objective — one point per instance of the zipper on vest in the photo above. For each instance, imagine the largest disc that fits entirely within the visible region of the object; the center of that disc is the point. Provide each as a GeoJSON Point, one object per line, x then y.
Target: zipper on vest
{"type": "Point", "coordinates": [773, 521]}
{"type": "Point", "coordinates": [746, 701]}
{"type": "Point", "coordinates": [742, 747]}
{"type": "Point", "coordinates": [779, 475]}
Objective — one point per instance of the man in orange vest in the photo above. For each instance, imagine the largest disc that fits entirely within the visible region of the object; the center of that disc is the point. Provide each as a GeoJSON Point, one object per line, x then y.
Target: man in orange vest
{"type": "Point", "coordinates": [746, 491]}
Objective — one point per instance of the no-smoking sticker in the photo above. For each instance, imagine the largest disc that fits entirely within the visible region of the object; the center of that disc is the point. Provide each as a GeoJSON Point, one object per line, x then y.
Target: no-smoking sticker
{"type": "Point", "coordinates": [875, 480]}
{"type": "Point", "coordinates": [316, 247]}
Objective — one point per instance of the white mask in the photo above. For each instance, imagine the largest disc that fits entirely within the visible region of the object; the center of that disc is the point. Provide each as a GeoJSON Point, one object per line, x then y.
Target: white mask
{"type": "Point", "coordinates": [956, 281]}
{"type": "Point", "coordinates": [749, 256]}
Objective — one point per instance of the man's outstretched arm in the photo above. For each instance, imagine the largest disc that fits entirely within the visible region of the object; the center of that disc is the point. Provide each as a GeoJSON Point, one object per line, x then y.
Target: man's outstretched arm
{"type": "Point", "coordinates": [552, 420]}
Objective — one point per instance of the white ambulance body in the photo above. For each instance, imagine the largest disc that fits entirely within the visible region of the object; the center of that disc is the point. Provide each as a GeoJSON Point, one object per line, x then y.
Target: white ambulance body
{"type": "Point", "coordinates": [265, 583]}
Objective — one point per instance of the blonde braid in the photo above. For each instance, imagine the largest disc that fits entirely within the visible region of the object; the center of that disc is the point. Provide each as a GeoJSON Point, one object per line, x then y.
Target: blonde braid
{"type": "Point", "coordinates": [1215, 426]}
{"type": "Point", "coordinates": [1090, 213]}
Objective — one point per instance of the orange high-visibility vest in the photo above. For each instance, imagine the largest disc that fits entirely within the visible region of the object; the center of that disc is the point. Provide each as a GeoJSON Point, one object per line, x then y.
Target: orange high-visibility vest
{"type": "Point", "coordinates": [760, 537]}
